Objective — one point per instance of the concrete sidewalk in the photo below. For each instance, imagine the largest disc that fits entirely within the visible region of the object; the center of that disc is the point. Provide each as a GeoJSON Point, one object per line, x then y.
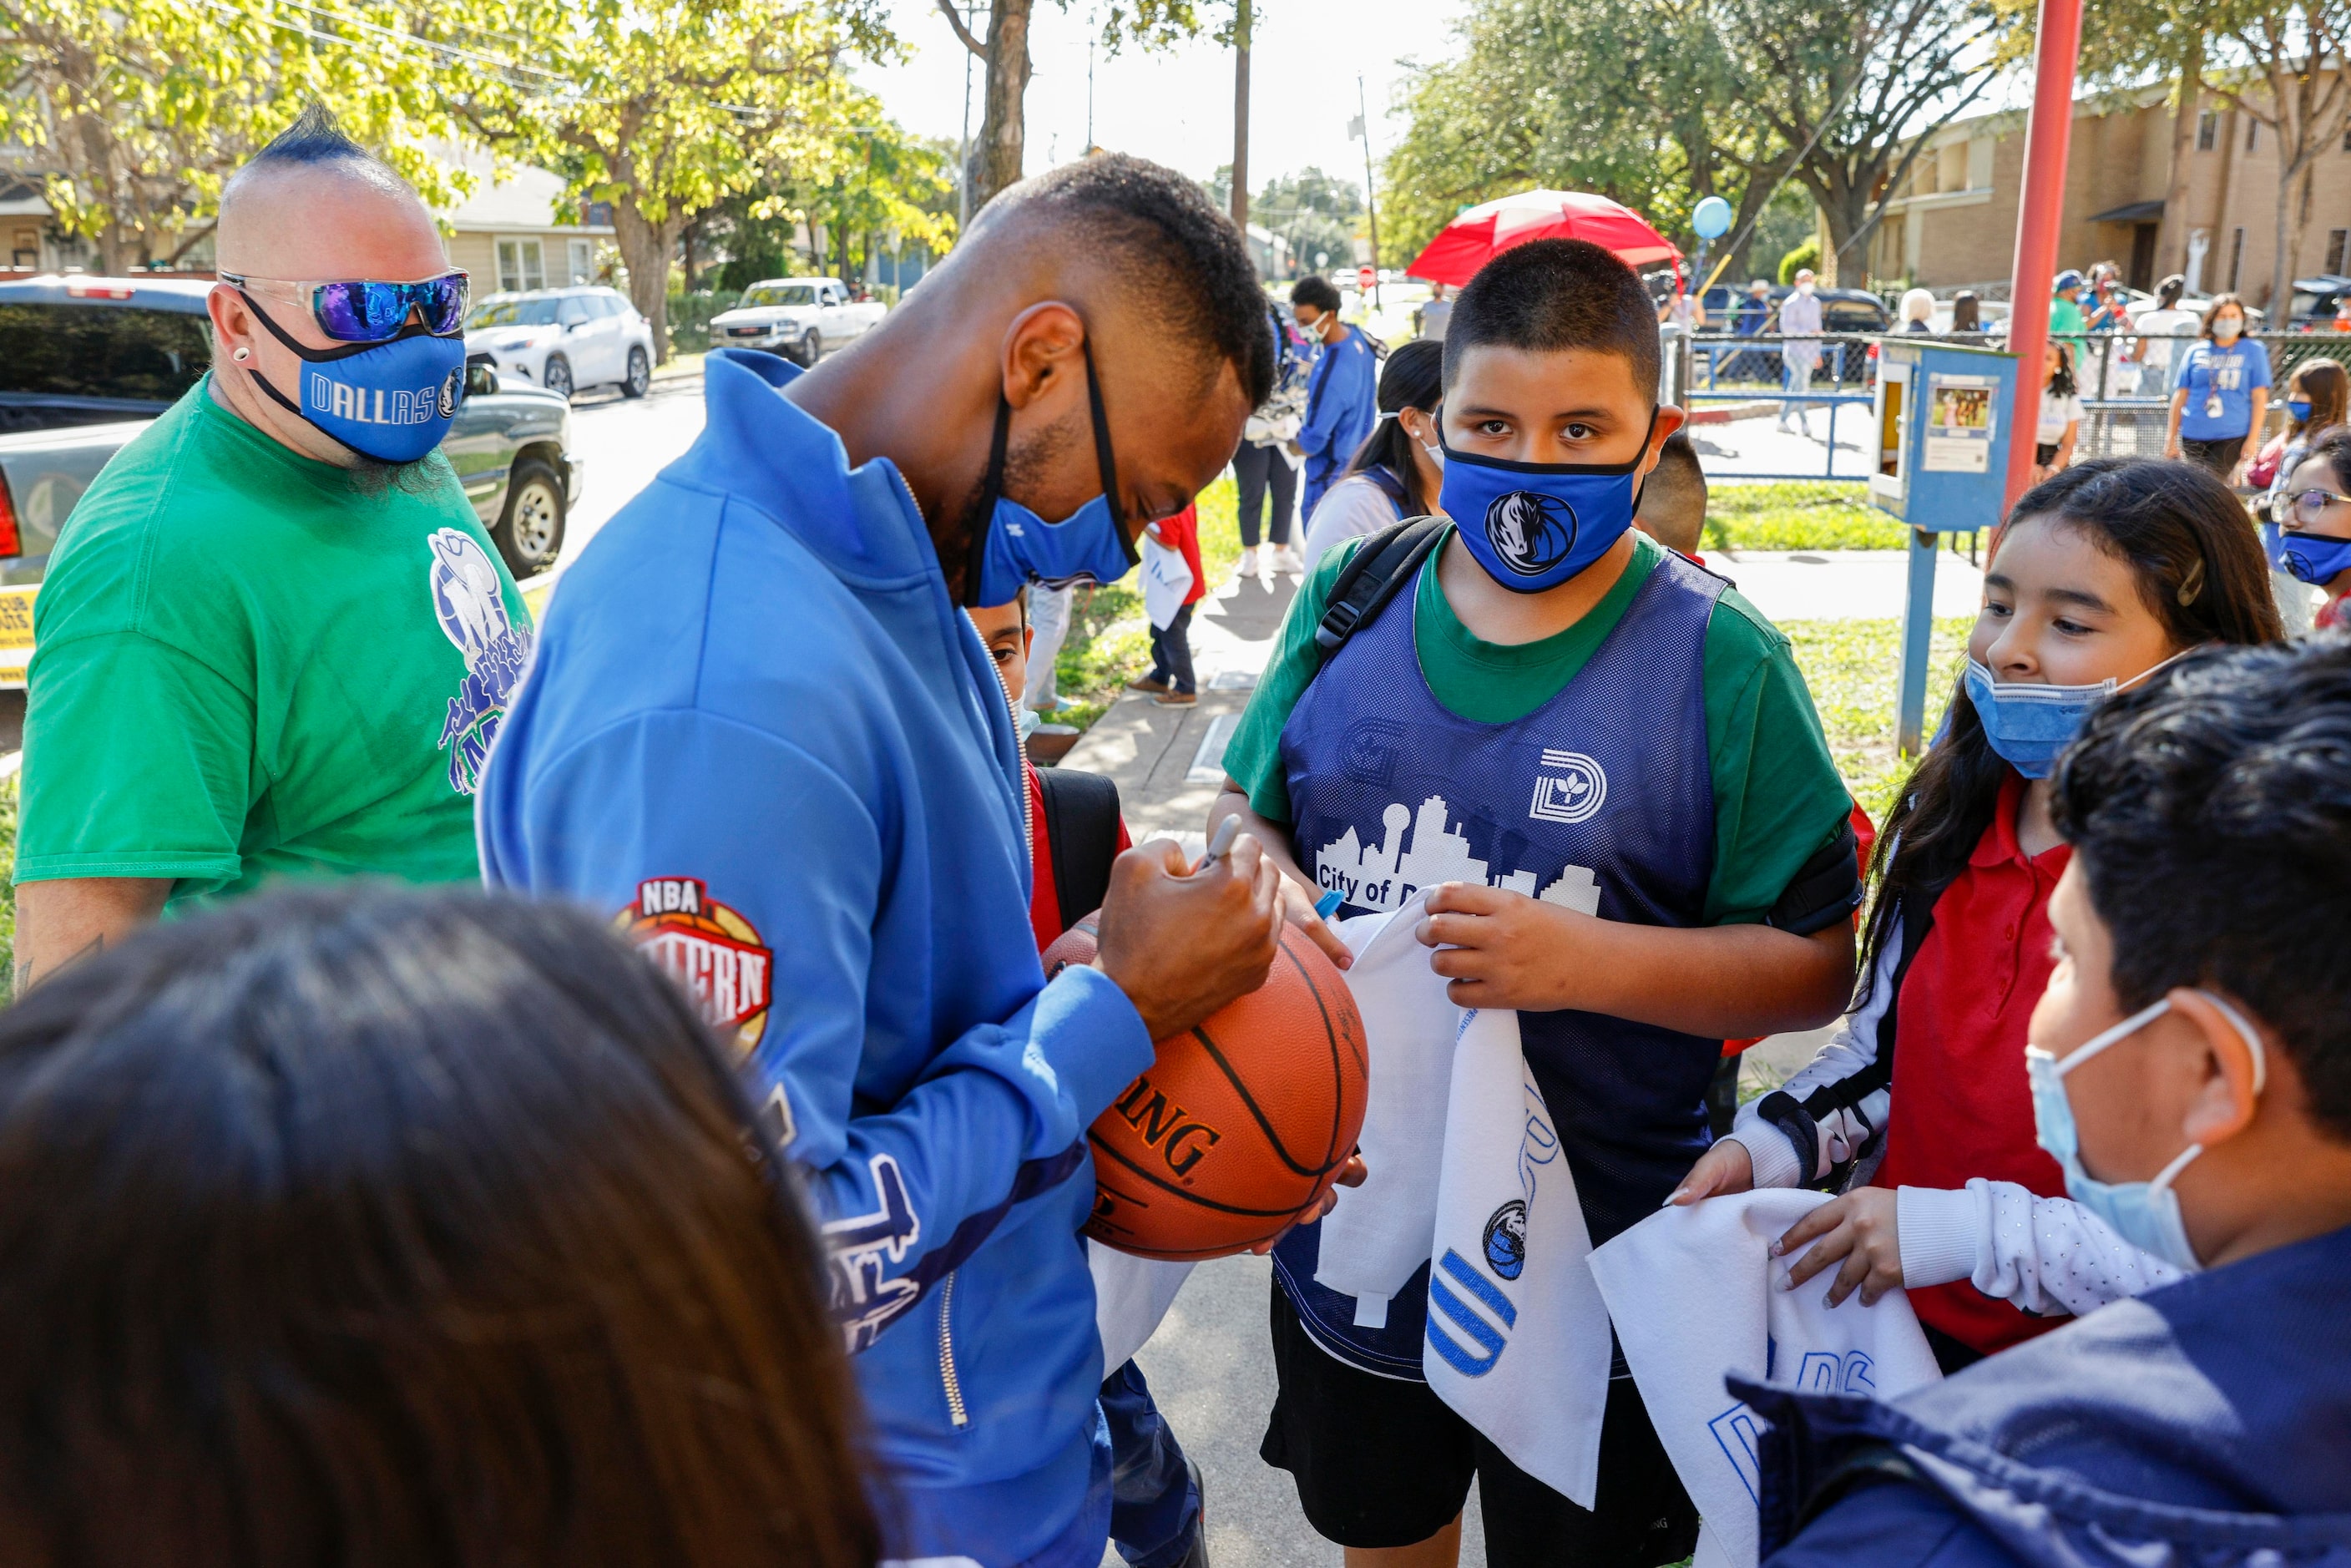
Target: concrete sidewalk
{"type": "Point", "coordinates": [1168, 761]}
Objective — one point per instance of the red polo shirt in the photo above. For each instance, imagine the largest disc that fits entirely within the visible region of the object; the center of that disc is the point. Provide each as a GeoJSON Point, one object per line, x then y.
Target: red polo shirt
{"type": "Point", "coordinates": [1961, 1107]}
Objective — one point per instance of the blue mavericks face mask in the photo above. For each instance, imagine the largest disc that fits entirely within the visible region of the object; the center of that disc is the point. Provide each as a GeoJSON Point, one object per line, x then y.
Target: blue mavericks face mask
{"type": "Point", "coordinates": [1014, 547]}
{"type": "Point", "coordinates": [2028, 723]}
{"type": "Point", "coordinates": [2307, 558]}
{"type": "Point", "coordinates": [1533, 525]}
{"type": "Point", "coordinates": [2144, 1213]}
{"type": "Point", "coordinates": [392, 401]}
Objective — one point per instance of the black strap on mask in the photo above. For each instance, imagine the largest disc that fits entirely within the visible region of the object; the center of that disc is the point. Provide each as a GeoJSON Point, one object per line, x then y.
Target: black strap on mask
{"type": "Point", "coordinates": [319, 356]}
{"type": "Point", "coordinates": [991, 489]}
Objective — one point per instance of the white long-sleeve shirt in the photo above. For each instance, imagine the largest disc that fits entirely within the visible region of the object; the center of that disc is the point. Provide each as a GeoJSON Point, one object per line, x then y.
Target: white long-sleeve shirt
{"type": "Point", "coordinates": [2046, 1255]}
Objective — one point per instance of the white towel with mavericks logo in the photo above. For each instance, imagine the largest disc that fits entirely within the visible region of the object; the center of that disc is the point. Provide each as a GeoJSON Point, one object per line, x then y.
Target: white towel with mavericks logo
{"type": "Point", "coordinates": [1380, 1231]}
{"type": "Point", "coordinates": [1131, 1296]}
{"type": "Point", "coordinates": [1518, 1336]}
{"type": "Point", "coordinates": [1695, 1293]}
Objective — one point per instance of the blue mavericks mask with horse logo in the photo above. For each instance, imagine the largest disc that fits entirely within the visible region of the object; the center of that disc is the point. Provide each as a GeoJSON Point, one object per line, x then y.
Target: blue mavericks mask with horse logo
{"type": "Point", "coordinates": [1533, 525]}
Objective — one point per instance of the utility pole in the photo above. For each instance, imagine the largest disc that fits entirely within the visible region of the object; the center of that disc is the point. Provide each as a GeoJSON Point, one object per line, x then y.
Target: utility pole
{"type": "Point", "coordinates": [1090, 84]}
{"type": "Point", "coordinates": [2057, 43]}
{"type": "Point", "coordinates": [963, 156]}
{"type": "Point", "coordinates": [1371, 207]}
{"type": "Point", "coordinates": [1240, 114]}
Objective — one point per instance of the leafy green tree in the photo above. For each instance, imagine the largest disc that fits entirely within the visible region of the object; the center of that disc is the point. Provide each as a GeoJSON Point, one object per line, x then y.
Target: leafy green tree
{"type": "Point", "coordinates": [1633, 102]}
{"type": "Point", "coordinates": [663, 107]}
{"type": "Point", "coordinates": [1313, 213]}
{"type": "Point", "coordinates": [136, 111]}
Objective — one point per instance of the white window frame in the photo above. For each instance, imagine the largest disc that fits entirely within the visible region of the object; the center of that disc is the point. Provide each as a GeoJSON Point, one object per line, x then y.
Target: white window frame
{"type": "Point", "coordinates": [521, 263]}
{"type": "Point", "coordinates": [579, 259]}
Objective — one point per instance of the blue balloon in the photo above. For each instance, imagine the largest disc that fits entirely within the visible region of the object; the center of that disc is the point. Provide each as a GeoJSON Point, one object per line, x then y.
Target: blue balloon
{"type": "Point", "coordinates": [1712, 218]}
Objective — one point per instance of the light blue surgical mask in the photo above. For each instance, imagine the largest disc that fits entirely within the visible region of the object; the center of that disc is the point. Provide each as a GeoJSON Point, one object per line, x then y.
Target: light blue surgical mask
{"type": "Point", "coordinates": [2028, 723]}
{"type": "Point", "coordinates": [1025, 720]}
{"type": "Point", "coordinates": [393, 401]}
{"type": "Point", "coordinates": [1015, 546]}
{"type": "Point", "coordinates": [2144, 1213]}
{"type": "Point", "coordinates": [1533, 525]}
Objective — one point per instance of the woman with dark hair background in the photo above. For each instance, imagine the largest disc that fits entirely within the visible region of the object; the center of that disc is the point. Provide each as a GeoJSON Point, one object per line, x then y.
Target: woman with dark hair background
{"type": "Point", "coordinates": [374, 1227]}
{"type": "Point", "coordinates": [1396, 471]}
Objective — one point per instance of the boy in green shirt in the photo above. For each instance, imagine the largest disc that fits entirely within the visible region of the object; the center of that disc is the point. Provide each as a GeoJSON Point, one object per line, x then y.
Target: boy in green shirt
{"type": "Point", "coordinates": [273, 637]}
{"type": "Point", "coordinates": [1605, 765]}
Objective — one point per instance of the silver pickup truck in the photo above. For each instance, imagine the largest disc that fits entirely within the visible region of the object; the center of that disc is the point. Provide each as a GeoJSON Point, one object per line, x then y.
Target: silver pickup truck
{"type": "Point", "coordinates": [87, 362]}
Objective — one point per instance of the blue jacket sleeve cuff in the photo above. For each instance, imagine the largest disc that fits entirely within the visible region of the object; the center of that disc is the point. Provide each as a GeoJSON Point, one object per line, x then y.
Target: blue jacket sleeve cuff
{"type": "Point", "coordinates": [1092, 1036]}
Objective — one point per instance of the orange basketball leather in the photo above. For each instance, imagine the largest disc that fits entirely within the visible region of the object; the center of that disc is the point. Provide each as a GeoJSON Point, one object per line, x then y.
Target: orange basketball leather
{"type": "Point", "coordinates": [1238, 1127]}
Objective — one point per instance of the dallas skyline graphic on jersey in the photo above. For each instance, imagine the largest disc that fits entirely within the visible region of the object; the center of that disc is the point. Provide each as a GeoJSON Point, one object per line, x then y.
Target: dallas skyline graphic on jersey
{"type": "Point", "coordinates": [1386, 875]}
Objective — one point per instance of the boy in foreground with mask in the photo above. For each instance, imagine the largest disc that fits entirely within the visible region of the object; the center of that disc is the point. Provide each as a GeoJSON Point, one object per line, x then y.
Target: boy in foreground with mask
{"type": "Point", "coordinates": [2191, 1072]}
{"type": "Point", "coordinates": [1610, 762]}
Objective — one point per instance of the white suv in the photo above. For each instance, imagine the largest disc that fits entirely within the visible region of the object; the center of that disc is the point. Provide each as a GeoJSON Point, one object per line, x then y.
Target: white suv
{"type": "Point", "coordinates": [563, 339]}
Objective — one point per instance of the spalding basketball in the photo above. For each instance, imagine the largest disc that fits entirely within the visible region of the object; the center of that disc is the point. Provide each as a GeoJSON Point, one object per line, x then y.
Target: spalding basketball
{"type": "Point", "coordinates": [1238, 1128]}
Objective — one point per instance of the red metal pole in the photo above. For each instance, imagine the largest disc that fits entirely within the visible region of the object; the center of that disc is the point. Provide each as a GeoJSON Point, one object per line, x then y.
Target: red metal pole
{"type": "Point", "coordinates": [2039, 214]}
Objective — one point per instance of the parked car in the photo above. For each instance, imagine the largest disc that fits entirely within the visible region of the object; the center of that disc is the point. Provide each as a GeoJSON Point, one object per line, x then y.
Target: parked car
{"type": "Point", "coordinates": [797, 316]}
{"type": "Point", "coordinates": [86, 363]}
{"type": "Point", "coordinates": [2314, 302]}
{"type": "Point", "coordinates": [563, 339]}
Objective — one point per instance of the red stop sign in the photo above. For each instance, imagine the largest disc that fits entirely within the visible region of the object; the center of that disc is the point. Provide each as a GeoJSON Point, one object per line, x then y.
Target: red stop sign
{"type": "Point", "coordinates": [1366, 279]}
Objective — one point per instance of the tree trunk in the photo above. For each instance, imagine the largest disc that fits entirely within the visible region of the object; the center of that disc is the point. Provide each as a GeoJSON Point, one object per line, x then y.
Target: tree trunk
{"type": "Point", "coordinates": [645, 248]}
{"type": "Point", "coordinates": [997, 155]}
{"type": "Point", "coordinates": [1240, 114]}
{"type": "Point", "coordinates": [2171, 238]}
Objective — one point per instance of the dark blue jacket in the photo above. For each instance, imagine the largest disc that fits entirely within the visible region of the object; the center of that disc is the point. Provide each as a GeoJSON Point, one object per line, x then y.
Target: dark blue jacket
{"type": "Point", "coordinates": [2205, 1424]}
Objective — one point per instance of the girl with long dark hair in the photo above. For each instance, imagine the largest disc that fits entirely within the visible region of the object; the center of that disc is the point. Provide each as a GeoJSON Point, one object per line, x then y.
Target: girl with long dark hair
{"type": "Point", "coordinates": [1395, 473]}
{"type": "Point", "coordinates": [384, 1228]}
{"type": "Point", "coordinates": [2104, 574]}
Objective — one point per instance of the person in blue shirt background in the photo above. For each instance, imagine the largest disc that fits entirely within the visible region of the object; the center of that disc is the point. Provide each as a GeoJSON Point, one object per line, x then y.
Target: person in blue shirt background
{"type": "Point", "coordinates": [1341, 396]}
{"type": "Point", "coordinates": [2219, 392]}
{"type": "Point", "coordinates": [761, 738]}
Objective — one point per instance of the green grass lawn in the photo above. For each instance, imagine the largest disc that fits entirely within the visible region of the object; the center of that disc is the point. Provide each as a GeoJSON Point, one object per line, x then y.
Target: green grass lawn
{"type": "Point", "coordinates": [8, 889]}
{"type": "Point", "coordinates": [1852, 668]}
{"type": "Point", "coordinates": [1796, 516]}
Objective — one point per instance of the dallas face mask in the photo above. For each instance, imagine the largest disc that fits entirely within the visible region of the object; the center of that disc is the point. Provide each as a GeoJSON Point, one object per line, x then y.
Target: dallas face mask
{"type": "Point", "coordinates": [1533, 525]}
{"type": "Point", "coordinates": [390, 401]}
{"type": "Point", "coordinates": [2307, 558]}
{"type": "Point", "coordinates": [2028, 723]}
{"type": "Point", "coordinates": [2144, 1213]}
{"type": "Point", "coordinates": [1015, 546]}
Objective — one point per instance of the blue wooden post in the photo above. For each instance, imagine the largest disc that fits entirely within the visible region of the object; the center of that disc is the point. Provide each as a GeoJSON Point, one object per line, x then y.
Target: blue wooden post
{"type": "Point", "coordinates": [1941, 434]}
{"type": "Point", "coordinates": [1918, 634]}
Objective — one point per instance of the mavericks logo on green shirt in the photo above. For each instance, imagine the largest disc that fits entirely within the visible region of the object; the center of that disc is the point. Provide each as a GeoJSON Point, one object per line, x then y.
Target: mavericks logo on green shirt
{"type": "Point", "coordinates": [470, 602]}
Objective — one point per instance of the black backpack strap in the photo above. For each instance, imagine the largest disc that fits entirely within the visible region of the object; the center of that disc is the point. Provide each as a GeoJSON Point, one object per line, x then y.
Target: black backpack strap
{"type": "Point", "coordinates": [1081, 838]}
{"type": "Point", "coordinates": [1382, 565]}
{"type": "Point", "coordinates": [1824, 890]}
{"type": "Point", "coordinates": [1801, 1119]}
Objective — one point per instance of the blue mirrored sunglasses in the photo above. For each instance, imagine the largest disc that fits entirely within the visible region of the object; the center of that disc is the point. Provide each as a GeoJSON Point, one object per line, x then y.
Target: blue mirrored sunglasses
{"type": "Point", "coordinates": [368, 310]}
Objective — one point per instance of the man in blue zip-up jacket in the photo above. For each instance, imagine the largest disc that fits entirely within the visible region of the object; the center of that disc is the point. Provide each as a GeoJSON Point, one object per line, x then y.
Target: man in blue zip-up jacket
{"type": "Point", "coordinates": [761, 736]}
{"type": "Point", "coordinates": [1342, 392]}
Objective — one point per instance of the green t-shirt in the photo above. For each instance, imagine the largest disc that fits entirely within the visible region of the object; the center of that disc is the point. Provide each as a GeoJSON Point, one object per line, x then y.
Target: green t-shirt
{"type": "Point", "coordinates": [246, 662]}
{"type": "Point", "coordinates": [1777, 796]}
{"type": "Point", "coordinates": [2066, 320]}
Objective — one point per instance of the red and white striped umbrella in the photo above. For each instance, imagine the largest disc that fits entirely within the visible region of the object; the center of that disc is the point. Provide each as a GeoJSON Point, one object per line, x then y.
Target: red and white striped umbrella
{"type": "Point", "coordinates": [1469, 241]}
